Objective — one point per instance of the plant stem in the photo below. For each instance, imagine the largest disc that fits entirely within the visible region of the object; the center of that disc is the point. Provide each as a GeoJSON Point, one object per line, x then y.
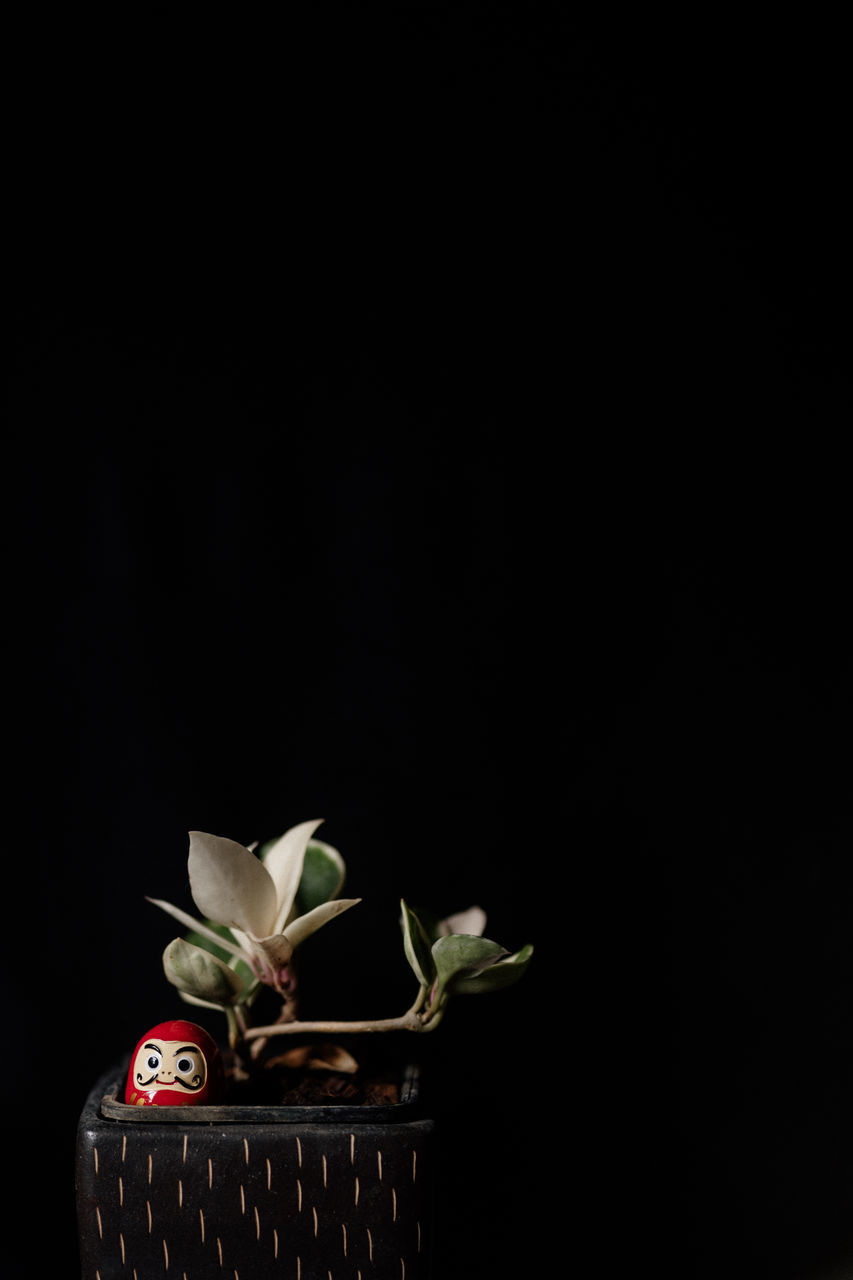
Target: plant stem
{"type": "Point", "coordinates": [408, 1021]}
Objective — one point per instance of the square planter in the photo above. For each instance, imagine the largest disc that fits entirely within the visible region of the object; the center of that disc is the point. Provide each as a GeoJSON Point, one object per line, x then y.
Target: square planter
{"type": "Point", "coordinates": [238, 1192]}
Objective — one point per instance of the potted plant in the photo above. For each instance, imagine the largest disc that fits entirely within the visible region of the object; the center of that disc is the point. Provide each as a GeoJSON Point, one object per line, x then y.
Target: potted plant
{"type": "Point", "coordinates": [293, 1149]}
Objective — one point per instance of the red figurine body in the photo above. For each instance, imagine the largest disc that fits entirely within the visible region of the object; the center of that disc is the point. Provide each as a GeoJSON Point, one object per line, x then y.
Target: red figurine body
{"type": "Point", "coordinates": [175, 1064]}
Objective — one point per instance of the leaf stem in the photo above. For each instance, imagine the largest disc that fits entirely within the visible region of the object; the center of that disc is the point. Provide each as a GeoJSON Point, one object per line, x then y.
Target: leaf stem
{"type": "Point", "coordinates": [411, 1020]}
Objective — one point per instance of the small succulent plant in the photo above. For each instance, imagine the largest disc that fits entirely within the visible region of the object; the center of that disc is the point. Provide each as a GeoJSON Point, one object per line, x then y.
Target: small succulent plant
{"type": "Point", "coordinates": [257, 904]}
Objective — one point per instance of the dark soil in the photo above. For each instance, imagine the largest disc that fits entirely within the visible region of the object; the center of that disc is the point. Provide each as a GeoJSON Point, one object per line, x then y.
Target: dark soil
{"type": "Point", "coordinates": [275, 1084]}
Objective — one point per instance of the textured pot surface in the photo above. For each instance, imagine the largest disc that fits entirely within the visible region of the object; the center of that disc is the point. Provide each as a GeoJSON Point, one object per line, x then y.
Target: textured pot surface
{"type": "Point", "coordinates": [316, 1196]}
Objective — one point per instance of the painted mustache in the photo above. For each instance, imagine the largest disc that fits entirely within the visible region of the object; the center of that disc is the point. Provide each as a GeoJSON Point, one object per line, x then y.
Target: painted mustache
{"type": "Point", "coordinates": [192, 1085]}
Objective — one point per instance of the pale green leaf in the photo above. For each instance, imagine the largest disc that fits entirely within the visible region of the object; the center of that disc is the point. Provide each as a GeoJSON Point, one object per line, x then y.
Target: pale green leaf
{"type": "Point", "coordinates": [462, 953]}
{"type": "Point", "coordinates": [417, 946]}
{"type": "Point", "coordinates": [198, 973]}
{"type": "Point", "coordinates": [503, 973]}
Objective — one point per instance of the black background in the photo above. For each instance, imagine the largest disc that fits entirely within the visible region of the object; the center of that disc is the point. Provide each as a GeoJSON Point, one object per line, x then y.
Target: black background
{"type": "Point", "coordinates": [432, 419]}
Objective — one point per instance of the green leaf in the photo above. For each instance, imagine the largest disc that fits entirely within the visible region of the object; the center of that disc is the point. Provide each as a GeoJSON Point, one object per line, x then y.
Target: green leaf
{"type": "Point", "coordinates": [503, 973]}
{"type": "Point", "coordinates": [239, 966]}
{"type": "Point", "coordinates": [198, 973]}
{"type": "Point", "coordinates": [323, 875]}
{"type": "Point", "coordinates": [460, 954]}
{"type": "Point", "coordinates": [198, 940]}
{"type": "Point", "coordinates": [429, 922]}
{"type": "Point", "coordinates": [416, 945]}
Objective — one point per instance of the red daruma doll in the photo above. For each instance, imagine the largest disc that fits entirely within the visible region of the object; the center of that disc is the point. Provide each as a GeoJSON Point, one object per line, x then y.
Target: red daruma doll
{"type": "Point", "coordinates": [175, 1064]}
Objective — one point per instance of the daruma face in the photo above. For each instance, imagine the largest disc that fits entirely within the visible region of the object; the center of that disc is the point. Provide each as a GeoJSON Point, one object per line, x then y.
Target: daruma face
{"type": "Point", "coordinates": [174, 1064]}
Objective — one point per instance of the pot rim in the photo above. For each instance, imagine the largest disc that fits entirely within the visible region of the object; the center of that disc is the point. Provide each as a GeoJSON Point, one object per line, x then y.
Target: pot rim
{"type": "Point", "coordinates": [112, 1108]}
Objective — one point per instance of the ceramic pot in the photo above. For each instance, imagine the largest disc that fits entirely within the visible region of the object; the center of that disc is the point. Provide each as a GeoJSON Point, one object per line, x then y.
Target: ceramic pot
{"type": "Point", "coordinates": [238, 1192]}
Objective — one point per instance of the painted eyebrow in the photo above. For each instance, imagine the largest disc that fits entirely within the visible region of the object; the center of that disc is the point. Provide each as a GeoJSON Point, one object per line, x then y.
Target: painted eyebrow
{"type": "Point", "coordinates": [155, 1047]}
{"type": "Point", "coordinates": [188, 1048]}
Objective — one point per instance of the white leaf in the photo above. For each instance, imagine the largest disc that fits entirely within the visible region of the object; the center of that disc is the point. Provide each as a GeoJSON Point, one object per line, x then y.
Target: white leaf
{"type": "Point", "coordinates": [198, 927]}
{"type": "Point", "coordinates": [301, 928]}
{"type": "Point", "coordinates": [472, 921]}
{"type": "Point", "coordinates": [283, 861]}
{"type": "Point", "coordinates": [277, 949]}
{"type": "Point", "coordinates": [230, 885]}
